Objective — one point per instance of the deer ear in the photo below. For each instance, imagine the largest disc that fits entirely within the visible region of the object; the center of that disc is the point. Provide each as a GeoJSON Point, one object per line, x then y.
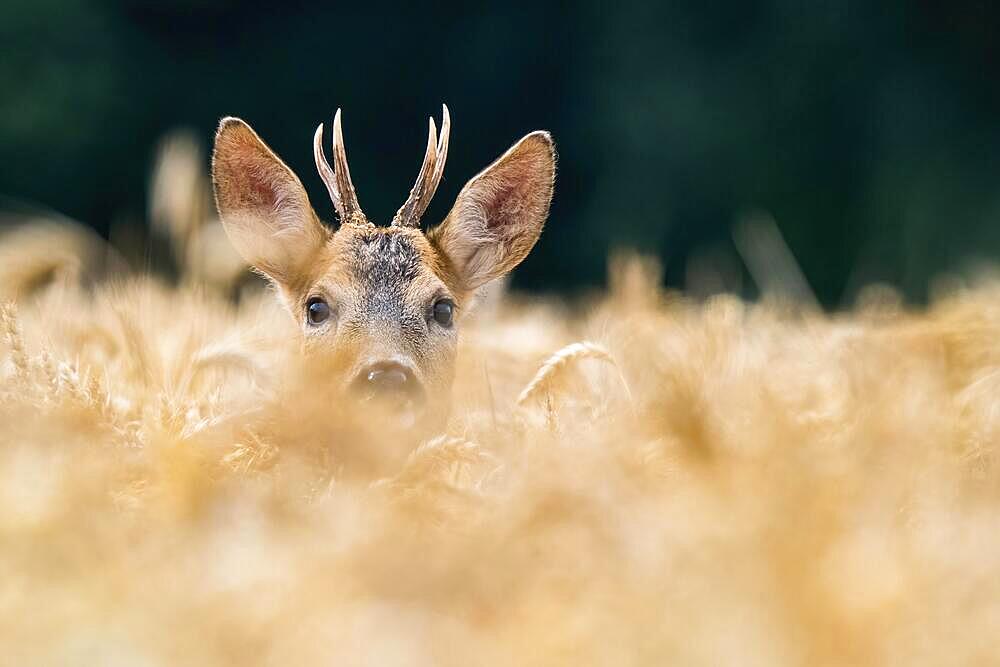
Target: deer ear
{"type": "Point", "coordinates": [263, 206]}
{"type": "Point", "coordinates": [499, 214]}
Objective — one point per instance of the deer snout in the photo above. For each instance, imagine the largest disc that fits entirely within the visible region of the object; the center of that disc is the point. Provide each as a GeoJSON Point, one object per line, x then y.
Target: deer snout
{"type": "Point", "coordinates": [388, 380]}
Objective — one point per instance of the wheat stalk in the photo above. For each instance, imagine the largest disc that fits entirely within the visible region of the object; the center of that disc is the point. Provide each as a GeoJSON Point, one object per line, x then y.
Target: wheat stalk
{"type": "Point", "coordinates": [12, 332]}
{"type": "Point", "coordinates": [253, 455]}
{"type": "Point", "coordinates": [42, 368]}
{"type": "Point", "coordinates": [433, 460]}
{"type": "Point", "coordinates": [555, 366]}
{"type": "Point", "coordinates": [223, 359]}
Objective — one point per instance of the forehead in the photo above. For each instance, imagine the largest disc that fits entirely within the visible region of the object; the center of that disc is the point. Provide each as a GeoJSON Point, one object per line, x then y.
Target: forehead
{"type": "Point", "coordinates": [379, 254]}
{"type": "Point", "coordinates": [382, 259]}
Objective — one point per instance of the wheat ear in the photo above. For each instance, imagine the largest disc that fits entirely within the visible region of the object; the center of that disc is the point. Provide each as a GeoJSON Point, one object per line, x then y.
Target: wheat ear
{"type": "Point", "coordinates": [557, 364]}
{"type": "Point", "coordinates": [12, 332]}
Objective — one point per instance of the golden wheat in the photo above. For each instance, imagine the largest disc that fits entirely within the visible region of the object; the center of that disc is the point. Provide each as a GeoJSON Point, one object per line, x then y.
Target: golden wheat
{"type": "Point", "coordinates": [710, 483]}
{"type": "Point", "coordinates": [776, 489]}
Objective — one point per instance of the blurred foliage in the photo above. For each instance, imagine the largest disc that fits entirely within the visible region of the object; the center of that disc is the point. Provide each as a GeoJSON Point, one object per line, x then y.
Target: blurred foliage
{"type": "Point", "coordinates": [868, 131]}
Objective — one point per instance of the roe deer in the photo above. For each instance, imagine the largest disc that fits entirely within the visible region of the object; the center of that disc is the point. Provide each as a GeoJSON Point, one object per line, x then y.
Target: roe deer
{"type": "Point", "coordinates": [386, 300]}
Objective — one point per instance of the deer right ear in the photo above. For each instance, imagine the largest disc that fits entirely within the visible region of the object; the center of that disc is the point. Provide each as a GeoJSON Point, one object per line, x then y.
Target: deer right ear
{"type": "Point", "coordinates": [499, 214]}
{"type": "Point", "coordinates": [263, 206]}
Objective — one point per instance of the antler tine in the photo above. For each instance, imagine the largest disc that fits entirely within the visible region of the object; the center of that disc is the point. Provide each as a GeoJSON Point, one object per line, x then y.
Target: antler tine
{"type": "Point", "coordinates": [409, 213]}
{"type": "Point", "coordinates": [325, 170]}
{"type": "Point", "coordinates": [349, 208]}
{"type": "Point", "coordinates": [442, 156]}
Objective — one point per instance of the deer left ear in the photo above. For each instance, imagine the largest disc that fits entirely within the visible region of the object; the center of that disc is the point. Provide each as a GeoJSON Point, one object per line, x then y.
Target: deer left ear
{"type": "Point", "coordinates": [263, 206]}
{"type": "Point", "coordinates": [499, 214]}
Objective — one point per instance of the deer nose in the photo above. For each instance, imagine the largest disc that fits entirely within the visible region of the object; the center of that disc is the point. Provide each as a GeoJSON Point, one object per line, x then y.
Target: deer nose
{"type": "Point", "coordinates": [386, 379]}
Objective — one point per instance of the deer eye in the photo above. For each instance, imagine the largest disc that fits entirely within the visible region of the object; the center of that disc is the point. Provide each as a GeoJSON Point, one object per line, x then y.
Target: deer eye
{"type": "Point", "coordinates": [443, 312]}
{"type": "Point", "coordinates": [317, 310]}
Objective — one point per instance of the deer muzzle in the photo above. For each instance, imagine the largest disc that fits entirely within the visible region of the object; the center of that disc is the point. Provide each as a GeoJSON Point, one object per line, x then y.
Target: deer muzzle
{"type": "Point", "coordinates": [391, 382]}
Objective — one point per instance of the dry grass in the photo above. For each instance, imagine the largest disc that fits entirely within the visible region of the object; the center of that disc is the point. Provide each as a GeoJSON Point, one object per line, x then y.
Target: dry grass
{"type": "Point", "coordinates": [715, 483]}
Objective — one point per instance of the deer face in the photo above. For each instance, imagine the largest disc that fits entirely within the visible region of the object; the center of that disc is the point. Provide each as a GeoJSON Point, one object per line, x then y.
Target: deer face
{"type": "Point", "coordinates": [382, 304]}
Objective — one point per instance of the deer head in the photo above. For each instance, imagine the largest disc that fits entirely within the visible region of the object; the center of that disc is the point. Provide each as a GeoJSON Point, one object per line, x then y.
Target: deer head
{"type": "Point", "coordinates": [386, 301]}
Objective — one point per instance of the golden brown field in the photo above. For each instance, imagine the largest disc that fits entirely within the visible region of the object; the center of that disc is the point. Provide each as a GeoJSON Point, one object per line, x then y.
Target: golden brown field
{"type": "Point", "coordinates": [682, 483]}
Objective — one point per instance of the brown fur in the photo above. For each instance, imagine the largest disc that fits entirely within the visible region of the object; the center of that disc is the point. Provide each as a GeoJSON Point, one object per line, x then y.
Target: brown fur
{"type": "Point", "coordinates": [382, 282]}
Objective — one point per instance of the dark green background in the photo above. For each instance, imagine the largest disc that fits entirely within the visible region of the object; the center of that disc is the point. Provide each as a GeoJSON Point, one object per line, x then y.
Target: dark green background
{"type": "Point", "coordinates": [869, 130]}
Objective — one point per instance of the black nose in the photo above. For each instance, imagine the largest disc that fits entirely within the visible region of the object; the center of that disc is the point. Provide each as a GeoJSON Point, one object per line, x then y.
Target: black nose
{"type": "Point", "coordinates": [386, 379]}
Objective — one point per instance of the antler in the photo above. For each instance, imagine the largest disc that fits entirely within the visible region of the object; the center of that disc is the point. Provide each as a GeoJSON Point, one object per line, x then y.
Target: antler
{"type": "Point", "coordinates": [338, 181]}
{"type": "Point", "coordinates": [430, 174]}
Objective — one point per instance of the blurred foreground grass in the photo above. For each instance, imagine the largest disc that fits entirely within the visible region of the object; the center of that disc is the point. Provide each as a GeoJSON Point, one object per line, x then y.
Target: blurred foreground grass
{"type": "Point", "coordinates": [682, 483]}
